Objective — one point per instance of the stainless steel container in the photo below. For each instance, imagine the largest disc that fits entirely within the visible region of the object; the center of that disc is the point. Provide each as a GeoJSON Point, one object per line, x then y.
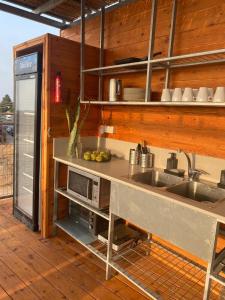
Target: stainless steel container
{"type": "Point", "coordinates": [146, 160]}
{"type": "Point", "coordinates": [134, 157]}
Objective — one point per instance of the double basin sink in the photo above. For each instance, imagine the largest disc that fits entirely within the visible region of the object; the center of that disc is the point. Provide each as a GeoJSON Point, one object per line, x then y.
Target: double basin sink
{"type": "Point", "coordinates": [198, 191]}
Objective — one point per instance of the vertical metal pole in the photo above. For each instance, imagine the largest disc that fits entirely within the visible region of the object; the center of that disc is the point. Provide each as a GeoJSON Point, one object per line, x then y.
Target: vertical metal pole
{"type": "Point", "coordinates": [151, 49]}
{"type": "Point", "coordinates": [171, 40]}
{"type": "Point", "coordinates": [82, 49]}
{"type": "Point", "coordinates": [210, 265]}
{"type": "Point", "coordinates": [55, 209]}
{"type": "Point", "coordinates": [101, 56]}
{"type": "Point", "coordinates": [109, 246]}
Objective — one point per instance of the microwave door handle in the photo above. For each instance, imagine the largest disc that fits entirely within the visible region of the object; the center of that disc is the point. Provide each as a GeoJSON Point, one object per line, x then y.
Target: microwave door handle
{"type": "Point", "coordinates": [88, 189]}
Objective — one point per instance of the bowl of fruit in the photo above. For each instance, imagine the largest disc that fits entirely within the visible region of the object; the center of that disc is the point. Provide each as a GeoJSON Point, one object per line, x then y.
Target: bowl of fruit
{"type": "Point", "coordinates": [99, 156]}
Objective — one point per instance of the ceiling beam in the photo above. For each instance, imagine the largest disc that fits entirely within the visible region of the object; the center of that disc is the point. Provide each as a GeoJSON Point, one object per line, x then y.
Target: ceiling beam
{"type": "Point", "coordinates": [108, 8]}
{"type": "Point", "coordinates": [30, 7]}
{"type": "Point", "coordinates": [29, 15]}
{"type": "Point", "coordinates": [45, 7]}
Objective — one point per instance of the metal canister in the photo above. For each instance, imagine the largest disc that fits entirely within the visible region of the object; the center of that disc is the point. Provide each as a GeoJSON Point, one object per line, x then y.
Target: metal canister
{"type": "Point", "coordinates": [146, 160]}
{"type": "Point", "coordinates": [134, 157]}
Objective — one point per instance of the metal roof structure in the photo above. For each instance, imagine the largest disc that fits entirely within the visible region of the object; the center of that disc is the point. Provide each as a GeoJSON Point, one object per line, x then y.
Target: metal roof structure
{"type": "Point", "coordinates": [57, 13]}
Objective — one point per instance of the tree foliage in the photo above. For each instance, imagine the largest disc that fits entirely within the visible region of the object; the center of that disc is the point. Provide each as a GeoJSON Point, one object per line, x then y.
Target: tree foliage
{"type": "Point", "coordinates": [6, 105]}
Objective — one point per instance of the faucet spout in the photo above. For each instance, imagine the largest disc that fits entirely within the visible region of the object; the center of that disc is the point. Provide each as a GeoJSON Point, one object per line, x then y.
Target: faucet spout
{"type": "Point", "coordinates": [191, 169]}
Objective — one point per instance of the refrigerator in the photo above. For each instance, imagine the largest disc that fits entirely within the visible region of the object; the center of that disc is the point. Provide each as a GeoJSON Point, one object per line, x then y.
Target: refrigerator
{"type": "Point", "coordinates": [27, 97]}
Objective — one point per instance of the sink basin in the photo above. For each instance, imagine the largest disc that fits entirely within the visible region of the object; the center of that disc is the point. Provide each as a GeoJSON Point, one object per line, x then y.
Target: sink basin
{"type": "Point", "coordinates": [156, 178]}
{"type": "Point", "coordinates": [198, 191]}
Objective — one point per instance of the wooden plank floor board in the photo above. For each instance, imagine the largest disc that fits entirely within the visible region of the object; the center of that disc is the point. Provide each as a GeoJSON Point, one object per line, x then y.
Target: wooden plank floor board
{"type": "Point", "coordinates": [97, 268]}
{"type": "Point", "coordinates": [31, 278]}
{"type": "Point", "coordinates": [69, 245]}
{"type": "Point", "coordinates": [60, 268]}
{"type": "Point", "coordinates": [51, 269]}
{"type": "Point", "coordinates": [4, 295]}
{"type": "Point", "coordinates": [13, 286]}
{"type": "Point", "coordinates": [48, 271]}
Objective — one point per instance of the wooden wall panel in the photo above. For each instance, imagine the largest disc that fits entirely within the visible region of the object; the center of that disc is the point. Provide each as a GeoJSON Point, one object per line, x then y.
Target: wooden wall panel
{"type": "Point", "coordinates": [200, 27]}
{"type": "Point", "coordinates": [64, 56]}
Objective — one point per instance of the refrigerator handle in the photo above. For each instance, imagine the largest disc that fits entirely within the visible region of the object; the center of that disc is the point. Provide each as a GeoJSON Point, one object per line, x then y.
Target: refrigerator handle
{"type": "Point", "coordinates": [49, 132]}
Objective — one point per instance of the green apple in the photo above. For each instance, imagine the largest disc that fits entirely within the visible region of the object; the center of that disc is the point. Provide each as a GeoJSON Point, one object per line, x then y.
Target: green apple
{"type": "Point", "coordinates": [87, 152]}
{"type": "Point", "coordinates": [106, 156]}
{"type": "Point", "coordinates": [87, 156]}
{"type": "Point", "coordinates": [93, 156]}
{"type": "Point", "coordinates": [99, 158]}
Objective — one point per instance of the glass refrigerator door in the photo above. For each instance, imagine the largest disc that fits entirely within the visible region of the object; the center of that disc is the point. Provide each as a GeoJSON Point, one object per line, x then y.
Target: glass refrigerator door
{"type": "Point", "coordinates": [25, 144]}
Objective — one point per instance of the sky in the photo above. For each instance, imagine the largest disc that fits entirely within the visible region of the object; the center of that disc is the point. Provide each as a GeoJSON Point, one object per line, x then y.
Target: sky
{"type": "Point", "coordinates": [15, 30]}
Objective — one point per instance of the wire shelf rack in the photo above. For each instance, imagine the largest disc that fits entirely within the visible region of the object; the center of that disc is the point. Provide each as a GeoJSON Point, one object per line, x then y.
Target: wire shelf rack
{"type": "Point", "coordinates": [179, 61]}
{"type": "Point", "coordinates": [160, 270]}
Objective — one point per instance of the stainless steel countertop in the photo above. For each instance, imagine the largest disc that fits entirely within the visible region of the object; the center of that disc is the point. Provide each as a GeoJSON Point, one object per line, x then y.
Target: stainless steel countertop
{"type": "Point", "coordinates": [120, 170]}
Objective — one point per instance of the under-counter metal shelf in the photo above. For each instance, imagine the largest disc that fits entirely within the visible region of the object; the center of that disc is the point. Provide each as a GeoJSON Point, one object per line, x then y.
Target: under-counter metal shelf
{"type": "Point", "coordinates": [163, 273]}
{"type": "Point", "coordinates": [101, 213]}
{"type": "Point", "coordinates": [83, 236]}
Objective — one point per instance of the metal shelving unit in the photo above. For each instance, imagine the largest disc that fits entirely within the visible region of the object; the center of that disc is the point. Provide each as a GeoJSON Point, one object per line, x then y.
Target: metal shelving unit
{"type": "Point", "coordinates": [154, 267]}
{"type": "Point", "coordinates": [78, 230]}
{"type": "Point", "coordinates": [158, 270]}
{"type": "Point", "coordinates": [157, 103]}
{"type": "Point", "coordinates": [150, 65]}
{"type": "Point", "coordinates": [83, 236]}
{"type": "Point", "coordinates": [163, 273]}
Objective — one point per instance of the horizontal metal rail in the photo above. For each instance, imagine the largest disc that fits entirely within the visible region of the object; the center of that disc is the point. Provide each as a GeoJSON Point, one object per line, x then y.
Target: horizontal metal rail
{"type": "Point", "coordinates": [168, 59]}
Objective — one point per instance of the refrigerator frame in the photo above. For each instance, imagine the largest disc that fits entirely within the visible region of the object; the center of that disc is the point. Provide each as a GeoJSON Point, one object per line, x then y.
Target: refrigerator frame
{"type": "Point", "coordinates": [31, 221]}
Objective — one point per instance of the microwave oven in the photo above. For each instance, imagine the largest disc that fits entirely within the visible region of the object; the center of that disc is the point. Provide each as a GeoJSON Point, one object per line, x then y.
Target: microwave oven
{"type": "Point", "coordinates": [89, 188]}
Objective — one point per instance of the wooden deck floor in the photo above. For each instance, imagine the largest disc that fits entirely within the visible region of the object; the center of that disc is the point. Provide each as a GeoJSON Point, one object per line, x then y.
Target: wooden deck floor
{"type": "Point", "coordinates": [33, 268]}
{"type": "Point", "coordinates": [58, 268]}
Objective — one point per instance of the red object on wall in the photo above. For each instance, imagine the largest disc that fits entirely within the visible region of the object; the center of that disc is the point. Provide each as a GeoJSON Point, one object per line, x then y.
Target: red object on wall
{"type": "Point", "coordinates": [58, 88]}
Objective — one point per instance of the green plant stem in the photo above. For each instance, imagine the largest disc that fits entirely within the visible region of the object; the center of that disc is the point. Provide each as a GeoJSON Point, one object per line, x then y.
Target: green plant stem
{"type": "Point", "coordinates": [73, 134]}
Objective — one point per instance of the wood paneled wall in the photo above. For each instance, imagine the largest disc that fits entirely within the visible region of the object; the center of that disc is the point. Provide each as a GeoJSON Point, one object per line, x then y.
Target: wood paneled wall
{"type": "Point", "coordinates": [200, 26]}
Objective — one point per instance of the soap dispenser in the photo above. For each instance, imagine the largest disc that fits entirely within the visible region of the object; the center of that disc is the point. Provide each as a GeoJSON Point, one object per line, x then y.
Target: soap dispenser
{"type": "Point", "coordinates": [172, 161]}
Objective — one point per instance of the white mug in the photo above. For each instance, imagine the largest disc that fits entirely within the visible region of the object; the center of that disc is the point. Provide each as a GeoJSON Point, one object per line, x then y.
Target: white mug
{"type": "Point", "coordinates": [203, 94]}
{"type": "Point", "coordinates": [219, 95]}
{"type": "Point", "coordinates": [166, 95]}
{"type": "Point", "coordinates": [210, 90]}
{"type": "Point", "coordinates": [177, 95]}
{"type": "Point", "coordinates": [188, 95]}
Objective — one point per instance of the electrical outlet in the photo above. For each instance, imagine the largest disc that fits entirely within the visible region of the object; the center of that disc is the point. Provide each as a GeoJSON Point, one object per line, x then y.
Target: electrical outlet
{"type": "Point", "coordinates": [106, 129]}
{"type": "Point", "coordinates": [109, 129]}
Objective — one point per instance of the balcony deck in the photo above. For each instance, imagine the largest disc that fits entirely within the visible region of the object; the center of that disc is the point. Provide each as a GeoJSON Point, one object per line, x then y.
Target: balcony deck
{"type": "Point", "coordinates": [33, 268]}
{"type": "Point", "coordinates": [58, 268]}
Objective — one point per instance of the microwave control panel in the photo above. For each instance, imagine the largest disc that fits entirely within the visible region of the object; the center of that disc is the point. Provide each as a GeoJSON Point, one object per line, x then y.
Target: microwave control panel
{"type": "Point", "coordinates": [95, 191]}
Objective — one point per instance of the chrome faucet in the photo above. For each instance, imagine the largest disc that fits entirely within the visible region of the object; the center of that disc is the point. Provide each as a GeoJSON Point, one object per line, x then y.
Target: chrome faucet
{"type": "Point", "coordinates": [193, 173]}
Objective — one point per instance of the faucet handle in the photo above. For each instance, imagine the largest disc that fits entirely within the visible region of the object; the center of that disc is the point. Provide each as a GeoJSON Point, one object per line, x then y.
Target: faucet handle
{"type": "Point", "coordinates": [196, 173]}
{"type": "Point", "coordinates": [202, 172]}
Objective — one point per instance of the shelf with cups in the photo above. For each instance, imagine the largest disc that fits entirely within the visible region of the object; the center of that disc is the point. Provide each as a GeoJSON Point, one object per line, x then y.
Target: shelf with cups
{"type": "Point", "coordinates": [158, 103]}
{"type": "Point", "coordinates": [200, 97]}
{"type": "Point", "coordinates": [167, 63]}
